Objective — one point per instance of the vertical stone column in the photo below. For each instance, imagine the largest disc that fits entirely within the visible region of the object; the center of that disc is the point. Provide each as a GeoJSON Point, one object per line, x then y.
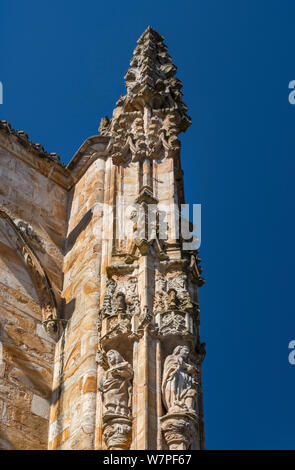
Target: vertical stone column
{"type": "Point", "coordinates": [149, 314]}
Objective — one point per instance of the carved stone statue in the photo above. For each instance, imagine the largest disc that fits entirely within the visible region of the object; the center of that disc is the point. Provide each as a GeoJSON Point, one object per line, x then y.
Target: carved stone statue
{"type": "Point", "coordinates": [160, 295]}
{"type": "Point", "coordinates": [107, 309]}
{"type": "Point", "coordinates": [116, 389]}
{"type": "Point", "coordinates": [171, 299]}
{"type": "Point", "coordinates": [120, 303]}
{"type": "Point", "coordinates": [179, 384]}
{"type": "Point", "coordinates": [115, 385]}
{"type": "Point", "coordinates": [131, 288]}
{"type": "Point", "coordinates": [121, 297]}
{"type": "Point", "coordinates": [132, 296]}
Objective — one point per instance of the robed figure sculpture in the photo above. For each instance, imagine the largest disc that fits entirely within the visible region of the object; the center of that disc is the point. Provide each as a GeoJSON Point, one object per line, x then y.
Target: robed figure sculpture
{"type": "Point", "coordinates": [179, 384]}
{"type": "Point", "coordinates": [115, 385]}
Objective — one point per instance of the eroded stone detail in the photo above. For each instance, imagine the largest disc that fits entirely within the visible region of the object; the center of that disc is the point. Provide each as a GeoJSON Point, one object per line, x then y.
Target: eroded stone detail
{"type": "Point", "coordinates": [23, 139]}
{"type": "Point", "coordinates": [105, 280]}
{"type": "Point", "coordinates": [181, 298]}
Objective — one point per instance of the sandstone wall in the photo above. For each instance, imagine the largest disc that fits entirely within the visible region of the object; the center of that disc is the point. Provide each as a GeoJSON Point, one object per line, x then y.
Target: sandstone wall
{"type": "Point", "coordinates": [75, 384]}
{"type": "Point", "coordinates": [36, 205]}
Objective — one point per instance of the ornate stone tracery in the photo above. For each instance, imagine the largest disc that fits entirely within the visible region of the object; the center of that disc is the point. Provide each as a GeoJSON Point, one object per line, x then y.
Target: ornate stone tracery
{"type": "Point", "coordinates": [172, 294]}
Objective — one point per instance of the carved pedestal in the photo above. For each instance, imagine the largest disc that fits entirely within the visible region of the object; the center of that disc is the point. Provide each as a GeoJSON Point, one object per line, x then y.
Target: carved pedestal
{"type": "Point", "coordinates": [179, 430]}
{"type": "Point", "coordinates": [117, 431]}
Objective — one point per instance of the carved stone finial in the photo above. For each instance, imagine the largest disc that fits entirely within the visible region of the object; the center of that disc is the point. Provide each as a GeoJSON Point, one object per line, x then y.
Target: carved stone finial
{"type": "Point", "coordinates": [149, 117]}
{"type": "Point", "coordinates": [150, 79]}
{"type": "Point", "coordinates": [104, 126]}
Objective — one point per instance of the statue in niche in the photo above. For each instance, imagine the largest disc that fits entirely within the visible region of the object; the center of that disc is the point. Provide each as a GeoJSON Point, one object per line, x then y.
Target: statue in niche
{"type": "Point", "coordinates": [132, 296]}
{"type": "Point", "coordinates": [172, 299]}
{"type": "Point", "coordinates": [121, 303]}
{"type": "Point", "coordinates": [160, 295]}
{"type": "Point", "coordinates": [179, 384]}
{"type": "Point", "coordinates": [115, 385]}
{"type": "Point", "coordinates": [107, 309]}
{"type": "Point", "coordinates": [131, 287]}
{"type": "Point", "coordinates": [179, 283]}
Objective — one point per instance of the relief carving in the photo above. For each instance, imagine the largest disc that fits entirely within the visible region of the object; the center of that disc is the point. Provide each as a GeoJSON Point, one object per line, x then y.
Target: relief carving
{"type": "Point", "coordinates": [107, 309]}
{"type": "Point", "coordinates": [30, 234]}
{"type": "Point", "coordinates": [182, 297]}
{"type": "Point", "coordinates": [121, 303]}
{"type": "Point", "coordinates": [160, 295]}
{"type": "Point", "coordinates": [172, 294]}
{"type": "Point", "coordinates": [178, 432]}
{"type": "Point", "coordinates": [172, 324]}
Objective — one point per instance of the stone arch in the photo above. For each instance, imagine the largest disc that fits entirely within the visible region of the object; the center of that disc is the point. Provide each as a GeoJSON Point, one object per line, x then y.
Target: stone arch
{"type": "Point", "coordinates": [38, 275]}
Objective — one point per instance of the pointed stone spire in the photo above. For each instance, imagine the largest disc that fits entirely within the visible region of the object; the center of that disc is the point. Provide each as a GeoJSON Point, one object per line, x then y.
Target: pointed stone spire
{"type": "Point", "coordinates": [149, 117]}
{"type": "Point", "coordinates": [151, 80]}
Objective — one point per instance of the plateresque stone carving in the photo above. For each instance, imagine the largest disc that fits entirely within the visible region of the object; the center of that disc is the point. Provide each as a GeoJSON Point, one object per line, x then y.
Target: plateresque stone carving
{"type": "Point", "coordinates": [172, 294]}
{"type": "Point", "coordinates": [116, 389]}
{"type": "Point", "coordinates": [182, 296]}
{"type": "Point", "coordinates": [121, 298]}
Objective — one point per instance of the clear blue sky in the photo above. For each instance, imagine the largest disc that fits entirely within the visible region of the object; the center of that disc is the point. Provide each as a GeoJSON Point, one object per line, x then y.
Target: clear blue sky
{"type": "Point", "coordinates": [62, 65]}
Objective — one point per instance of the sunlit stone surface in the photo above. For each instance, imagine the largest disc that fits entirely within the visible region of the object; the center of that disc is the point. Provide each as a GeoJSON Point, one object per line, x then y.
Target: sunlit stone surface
{"type": "Point", "coordinates": [99, 334]}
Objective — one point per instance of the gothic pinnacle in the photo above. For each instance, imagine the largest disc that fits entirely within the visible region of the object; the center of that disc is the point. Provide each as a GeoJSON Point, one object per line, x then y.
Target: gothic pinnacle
{"type": "Point", "coordinates": [150, 80]}
{"type": "Point", "coordinates": [149, 117]}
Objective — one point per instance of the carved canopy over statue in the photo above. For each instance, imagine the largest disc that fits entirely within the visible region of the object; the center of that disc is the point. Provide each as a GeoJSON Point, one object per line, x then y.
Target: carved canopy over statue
{"type": "Point", "coordinates": [179, 384]}
{"type": "Point", "coordinates": [115, 385]}
{"type": "Point", "coordinates": [121, 297]}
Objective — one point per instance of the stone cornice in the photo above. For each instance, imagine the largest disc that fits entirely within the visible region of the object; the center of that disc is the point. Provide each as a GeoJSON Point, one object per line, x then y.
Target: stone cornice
{"type": "Point", "coordinates": [94, 147]}
{"type": "Point", "coordinates": [48, 164]}
{"type": "Point", "coordinates": [42, 162]}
